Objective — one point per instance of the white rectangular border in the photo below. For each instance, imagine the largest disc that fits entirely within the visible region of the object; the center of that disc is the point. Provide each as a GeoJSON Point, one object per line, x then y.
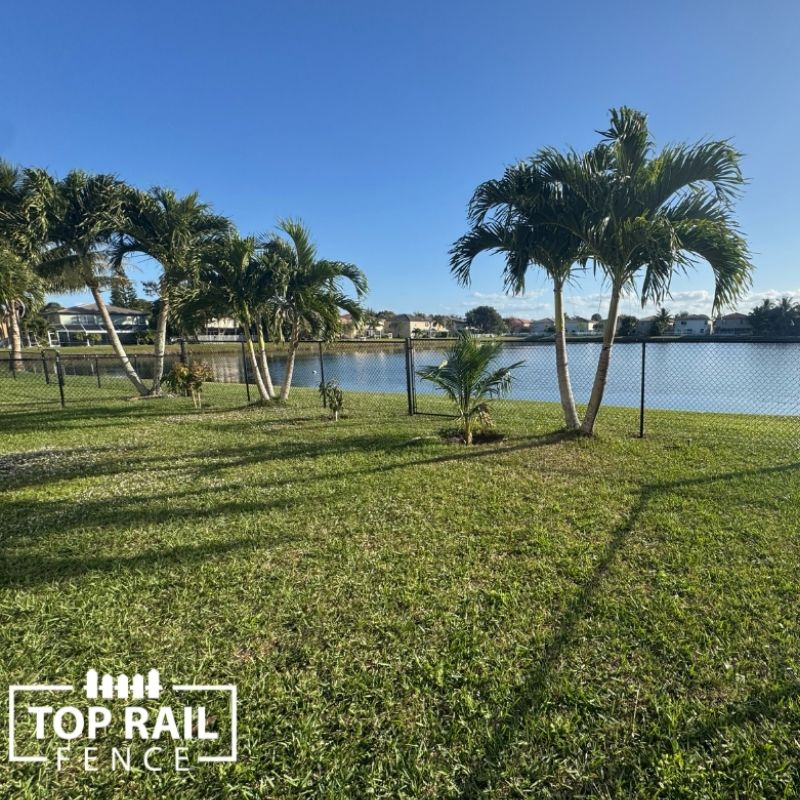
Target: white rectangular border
{"type": "Point", "coordinates": [228, 687]}
{"type": "Point", "coordinates": [12, 692]}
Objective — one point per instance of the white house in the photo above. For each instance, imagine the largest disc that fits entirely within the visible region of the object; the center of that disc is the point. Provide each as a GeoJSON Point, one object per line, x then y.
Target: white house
{"type": "Point", "coordinates": [733, 325]}
{"type": "Point", "coordinates": [543, 327]}
{"type": "Point", "coordinates": [579, 326]}
{"type": "Point", "coordinates": [75, 323]}
{"type": "Point", "coordinates": [220, 329]}
{"type": "Point", "coordinates": [693, 325]}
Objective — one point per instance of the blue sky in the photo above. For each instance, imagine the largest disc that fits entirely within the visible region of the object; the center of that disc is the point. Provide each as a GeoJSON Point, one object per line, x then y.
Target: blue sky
{"type": "Point", "coordinates": [375, 121]}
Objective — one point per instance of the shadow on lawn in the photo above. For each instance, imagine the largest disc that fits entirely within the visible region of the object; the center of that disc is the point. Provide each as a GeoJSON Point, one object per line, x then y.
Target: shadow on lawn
{"type": "Point", "coordinates": [488, 765]}
{"type": "Point", "coordinates": [25, 571]}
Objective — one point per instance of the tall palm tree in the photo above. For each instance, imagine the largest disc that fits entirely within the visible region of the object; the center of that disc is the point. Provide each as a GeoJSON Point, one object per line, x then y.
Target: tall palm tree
{"type": "Point", "coordinates": [171, 230]}
{"type": "Point", "coordinates": [309, 295]}
{"type": "Point", "coordinates": [515, 215]}
{"type": "Point", "coordinates": [236, 279]}
{"type": "Point", "coordinates": [22, 236]}
{"type": "Point", "coordinates": [647, 216]}
{"type": "Point", "coordinates": [84, 213]}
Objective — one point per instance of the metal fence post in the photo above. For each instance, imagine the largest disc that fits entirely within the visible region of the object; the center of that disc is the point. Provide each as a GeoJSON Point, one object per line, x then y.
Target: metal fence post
{"type": "Point", "coordinates": [44, 368]}
{"type": "Point", "coordinates": [322, 375]}
{"type": "Point", "coordinates": [183, 351]}
{"type": "Point", "coordinates": [244, 366]}
{"type": "Point", "coordinates": [641, 398]}
{"type": "Point", "coordinates": [97, 370]}
{"type": "Point", "coordinates": [410, 377]}
{"type": "Point", "coordinates": [12, 364]}
{"type": "Point", "coordinates": [60, 376]}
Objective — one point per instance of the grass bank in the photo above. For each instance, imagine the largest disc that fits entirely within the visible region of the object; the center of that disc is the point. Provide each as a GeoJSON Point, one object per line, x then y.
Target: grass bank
{"type": "Point", "coordinates": [408, 618]}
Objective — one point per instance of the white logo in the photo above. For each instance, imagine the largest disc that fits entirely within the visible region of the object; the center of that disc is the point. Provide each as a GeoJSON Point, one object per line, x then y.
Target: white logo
{"type": "Point", "coordinates": [188, 728]}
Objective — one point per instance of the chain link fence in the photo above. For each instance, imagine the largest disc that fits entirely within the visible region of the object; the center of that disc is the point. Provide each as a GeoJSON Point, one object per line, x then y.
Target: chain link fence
{"type": "Point", "coordinates": [655, 387]}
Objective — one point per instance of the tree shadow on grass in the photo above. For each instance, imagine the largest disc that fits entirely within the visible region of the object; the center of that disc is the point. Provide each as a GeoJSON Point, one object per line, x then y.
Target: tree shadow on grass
{"type": "Point", "coordinates": [22, 572]}
{"type": "Point", "coordinates": [532, 694]}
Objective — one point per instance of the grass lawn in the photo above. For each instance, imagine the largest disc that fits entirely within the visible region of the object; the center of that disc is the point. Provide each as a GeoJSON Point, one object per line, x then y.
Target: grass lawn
{"type": "Point", "coordinates": [408, 618]}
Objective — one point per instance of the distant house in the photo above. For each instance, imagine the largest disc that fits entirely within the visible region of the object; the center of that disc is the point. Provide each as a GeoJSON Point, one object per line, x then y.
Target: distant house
{"type": "Point", "coordinates": [542, 327]}
{"type": "Point", "coordinates": [693, 325]}
{"type": "Point", "coordinates": [518, 326]}
{"type": "Point", "coordinates": [733, 325]}
{"type": "Point", "coordinates": [579, 326]}
{"type": "Point", "coordinates": [74, 324]}
{"type": "Point", "coordinates": [456, 325]}
{"type": "Point", "coordinates": [405, 326]}
{"type": "Point", "coordinates": [220, 329]}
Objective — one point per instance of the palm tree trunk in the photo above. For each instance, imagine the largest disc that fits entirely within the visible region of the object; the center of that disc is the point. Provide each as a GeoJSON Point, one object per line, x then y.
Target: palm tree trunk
{"type": "Point", "coordinates": [14, 335]}
{"type": "Point", "coordinates": [562, 365]}
{"type": "Point", "coordinates": [251, 351]}
{"type": "Point", "coordinates": [160, 345]}
{"type": "Point", "coordinates": [601, 375]}
{"type": "Point", "coordinates": [116, 344]}
{"type": "Point", "coordinates": [289, 371]}
{"type": "Point", "coordinates": [262, 350]}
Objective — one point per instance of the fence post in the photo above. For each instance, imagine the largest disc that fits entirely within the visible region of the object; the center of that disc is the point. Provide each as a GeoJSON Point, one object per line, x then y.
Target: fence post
{"type": "Point", "coordinates": [44, 368]}
{"type": "Point", "coordinates": [641, 398]}
{"type": "Point", "coordinates": [183, 351]}
{"type": "Point", "coordinates": [12, 364]}
{"type": "Point", "coordinates": [322, 375]}
{"type": "Point", "coordinates": [410, 377]}
{"type": "Point", "coordinates": [97, 370]}
{"type": "Point", "coordinates": [60, 376]}
{"type": "Point", "coordinates": [244, 365]}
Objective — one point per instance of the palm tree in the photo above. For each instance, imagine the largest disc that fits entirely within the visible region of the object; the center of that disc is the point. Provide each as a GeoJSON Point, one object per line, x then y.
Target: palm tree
{"type": "Point", "coordinates": [467, 379]}
{"type": "Point", "coordinates": [22, 235]}
{"type": "Point", "coordinates": [650, 216]}
{"type": "Point", "coordinates": [761, 318]}
{"type": "Point", "coordinates": [309, 295]}
{"type": "Point", "coordinates": [524, 205]}
{"type": "Point", "coordinates": [171, 230]}
{"type": "Point", "coordinates": [84, 213]}
{"type": "Point", "coordinates": [238, 279]}
{"type": "Point", "coordinates": [661, 322]}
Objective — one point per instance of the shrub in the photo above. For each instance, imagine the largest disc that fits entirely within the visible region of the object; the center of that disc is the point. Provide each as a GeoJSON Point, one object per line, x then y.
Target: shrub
{"type": "Point", "coordinates": [188, 379]}
{"type": "Point", "coordinates": [333, 397]}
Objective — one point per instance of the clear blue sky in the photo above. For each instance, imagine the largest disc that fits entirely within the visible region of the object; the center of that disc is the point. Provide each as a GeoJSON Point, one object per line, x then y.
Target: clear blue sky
{"type": "Point", "coordinates": [374, 121]}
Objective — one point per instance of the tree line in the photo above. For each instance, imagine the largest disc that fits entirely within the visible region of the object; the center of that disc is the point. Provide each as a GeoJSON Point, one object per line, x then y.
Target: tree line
{"type": "Point", "coordinates": [78, 233]}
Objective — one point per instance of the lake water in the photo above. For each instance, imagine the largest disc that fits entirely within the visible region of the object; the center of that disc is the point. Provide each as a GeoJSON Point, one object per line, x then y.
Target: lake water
{"type": "Point", "coordinates": [756, 378]}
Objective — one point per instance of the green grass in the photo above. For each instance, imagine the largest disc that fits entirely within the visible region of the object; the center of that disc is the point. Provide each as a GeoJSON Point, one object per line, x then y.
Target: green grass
{"type": "Point", "coordinates": [541, 617]}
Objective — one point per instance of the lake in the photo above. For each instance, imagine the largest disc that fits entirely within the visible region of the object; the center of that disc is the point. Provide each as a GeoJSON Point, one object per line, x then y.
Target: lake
{"type": "Point", "coordinates": [746, 377]}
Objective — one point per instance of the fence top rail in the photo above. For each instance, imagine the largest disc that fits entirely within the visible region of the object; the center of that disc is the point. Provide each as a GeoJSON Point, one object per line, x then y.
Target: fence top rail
{"type": "Point", "coordinates": [623, 340]}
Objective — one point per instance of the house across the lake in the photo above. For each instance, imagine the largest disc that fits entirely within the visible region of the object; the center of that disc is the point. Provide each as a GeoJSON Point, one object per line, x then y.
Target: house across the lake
{"type": "Point", "coordinates": [404, 326]}
{"type": "Point", "coordinates": [693, 325]}
{"type": "Point", "coordinates": [579, 326]}
{"type": "Point", "coordinates": [733, 325]}
{"type": "Point", "coordinates": [76, 324]}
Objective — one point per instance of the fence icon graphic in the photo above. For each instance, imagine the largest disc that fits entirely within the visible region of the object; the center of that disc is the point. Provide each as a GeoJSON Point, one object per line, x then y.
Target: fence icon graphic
{"type": "Point", "coordinates": [122, 687]}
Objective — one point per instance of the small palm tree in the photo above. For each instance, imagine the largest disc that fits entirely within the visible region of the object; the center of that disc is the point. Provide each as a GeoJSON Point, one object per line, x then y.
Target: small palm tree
{"type": "Point", "coordinates": [467, 379]}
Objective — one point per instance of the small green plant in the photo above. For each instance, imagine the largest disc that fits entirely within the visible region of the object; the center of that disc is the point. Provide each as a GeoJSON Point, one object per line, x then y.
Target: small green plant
{"type": "Point", "coordinates": [466, 378]}
{"type": "Point", "coordinates": [332, 397]}
{"type": "Point", "coordinates": [188, 379]}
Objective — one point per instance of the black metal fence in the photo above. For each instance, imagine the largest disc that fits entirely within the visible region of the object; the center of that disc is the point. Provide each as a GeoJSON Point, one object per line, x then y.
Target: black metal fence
{"type": "Point", "coordinates": [654, 386]}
